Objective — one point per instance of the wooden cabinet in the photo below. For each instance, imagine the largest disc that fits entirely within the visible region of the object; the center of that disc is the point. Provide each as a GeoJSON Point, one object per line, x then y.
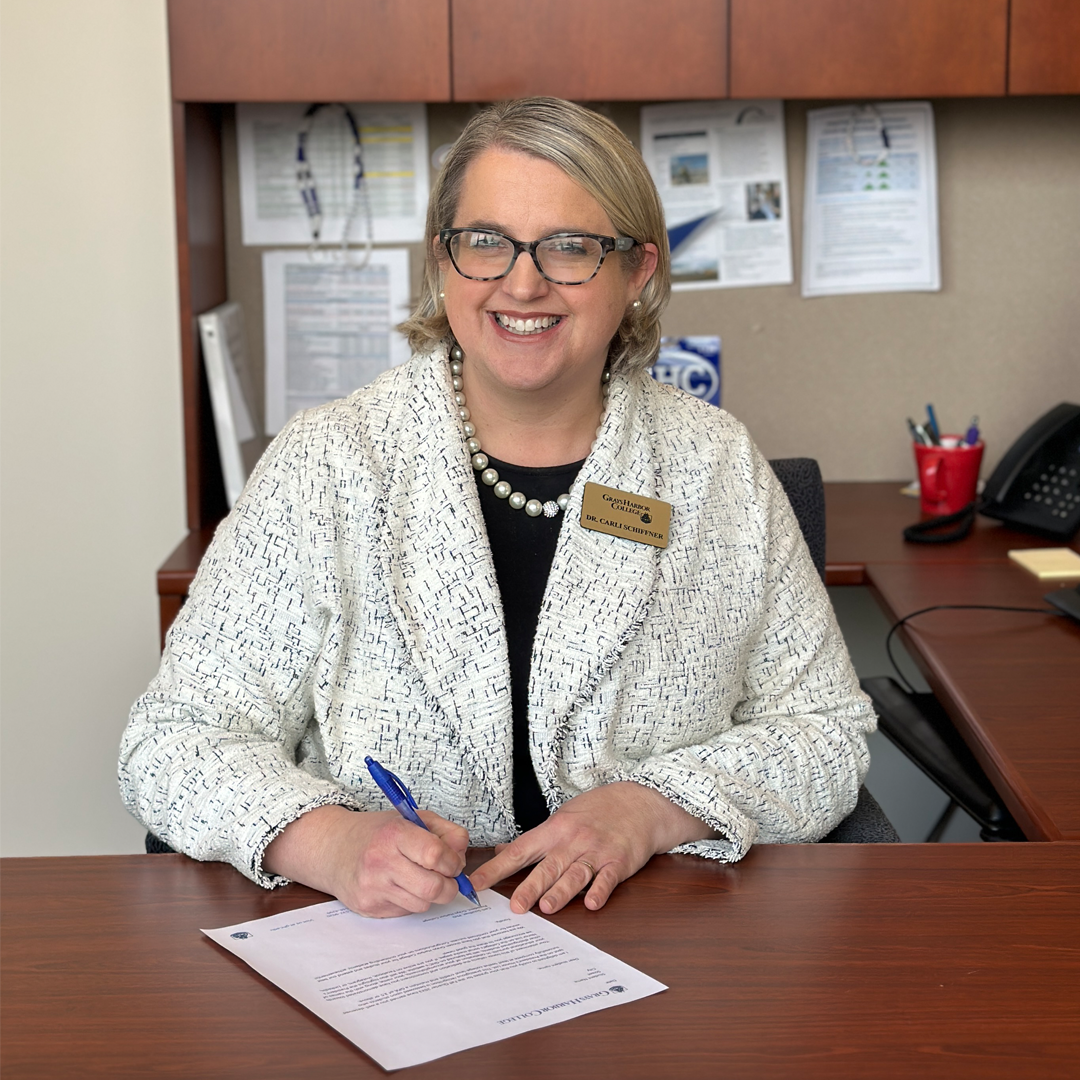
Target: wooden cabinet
{"type": "Point", "coordinates": [310, 50]}
{"type": "Point", "coordinates": [861, 49]}
{"type": "Point", "coordinates": [589, 50]}
{"type": "Point", "coordinates": [200, 246]}
{"type": "Point", "coordinates": [1044, 47]}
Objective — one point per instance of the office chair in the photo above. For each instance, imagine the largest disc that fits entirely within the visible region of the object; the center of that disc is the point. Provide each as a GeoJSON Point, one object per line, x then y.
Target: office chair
{"type": "Point", "coordinates": [921, 729]}
{"type": "Point", "coordinates": [801, 480]}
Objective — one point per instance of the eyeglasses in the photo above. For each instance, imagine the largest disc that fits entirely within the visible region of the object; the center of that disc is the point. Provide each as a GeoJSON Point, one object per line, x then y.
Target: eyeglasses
{"type": "Point", "coordinates": [562, 258]}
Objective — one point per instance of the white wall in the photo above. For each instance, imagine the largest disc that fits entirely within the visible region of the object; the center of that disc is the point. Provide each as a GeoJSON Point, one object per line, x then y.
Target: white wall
{"type": "Point", "coordinates": [91, 436]}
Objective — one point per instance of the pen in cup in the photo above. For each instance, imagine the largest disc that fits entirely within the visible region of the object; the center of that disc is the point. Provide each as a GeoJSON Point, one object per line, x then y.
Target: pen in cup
{"type": "Point", "coordinates": [932, 428]}
{"type": "Point", "coordinates": [402, 801]}
{"type": "Point", "coordinates": [917, 435]}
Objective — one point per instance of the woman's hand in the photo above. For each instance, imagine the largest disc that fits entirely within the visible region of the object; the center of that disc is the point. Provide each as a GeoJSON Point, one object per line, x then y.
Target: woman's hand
{"type": "Point", "coordinates": [376, 863]}
{"type": "Point", "coordinates": [602, 836]}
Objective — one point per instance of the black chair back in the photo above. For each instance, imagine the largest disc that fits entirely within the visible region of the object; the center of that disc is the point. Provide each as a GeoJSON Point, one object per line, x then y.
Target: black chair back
{"type": "Point", "coordinates": [801, 480]}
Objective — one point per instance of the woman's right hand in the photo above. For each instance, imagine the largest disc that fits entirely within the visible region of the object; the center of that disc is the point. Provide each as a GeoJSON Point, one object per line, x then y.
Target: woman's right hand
{"type": "Point", "coordinates": [376, 863]}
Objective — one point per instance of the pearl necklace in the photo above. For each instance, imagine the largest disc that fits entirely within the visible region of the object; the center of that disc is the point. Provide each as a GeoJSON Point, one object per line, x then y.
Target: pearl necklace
{"type": "Point", "coordinates": [480, 461]}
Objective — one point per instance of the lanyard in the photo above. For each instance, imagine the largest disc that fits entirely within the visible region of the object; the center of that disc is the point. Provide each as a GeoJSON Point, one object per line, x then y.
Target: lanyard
{"type": "Point", "coordinates": [309, 191]}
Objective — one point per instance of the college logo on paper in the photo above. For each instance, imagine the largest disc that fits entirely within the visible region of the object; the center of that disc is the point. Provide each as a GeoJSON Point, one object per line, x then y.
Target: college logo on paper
{"type": "Point", "coordinates": [692, 364]}
{"type": "Point", "coordinates": [241, 934]}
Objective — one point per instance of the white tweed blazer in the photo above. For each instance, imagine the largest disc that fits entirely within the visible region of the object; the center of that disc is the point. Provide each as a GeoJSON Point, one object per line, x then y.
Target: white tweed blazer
{"type": "Point", "coordinates": [349, 606]}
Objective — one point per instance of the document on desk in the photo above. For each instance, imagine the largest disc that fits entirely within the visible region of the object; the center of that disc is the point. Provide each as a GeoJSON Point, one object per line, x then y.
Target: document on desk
{"type": "Point", "coordinates": [870, 222]}
{"type": "Point", "coordinates": [417, 988]}
{"type": "Point", "coordinates": [723, 165]}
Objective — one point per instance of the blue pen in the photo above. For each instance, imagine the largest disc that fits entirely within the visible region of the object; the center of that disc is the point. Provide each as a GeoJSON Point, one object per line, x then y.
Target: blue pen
{"type": "Point", "coordinates": [402, 801]}
{"type": "Point", "coordinates": [972, 436]}
{"type": "Point", "coordinates": [932, 425]}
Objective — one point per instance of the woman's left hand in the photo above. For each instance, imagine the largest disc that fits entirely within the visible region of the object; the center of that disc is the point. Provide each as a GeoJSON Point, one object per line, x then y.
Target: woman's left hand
{"type": "Point", "coordinates": [595, 840]}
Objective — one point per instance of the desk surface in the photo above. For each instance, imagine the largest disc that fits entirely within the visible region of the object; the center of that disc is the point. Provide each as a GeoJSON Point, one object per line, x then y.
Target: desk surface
{"type": "Point", "coordinates": [1010, 681]}
{"type": "Point", "coordinates": [865, 524]}
{"type": "Point", "coordinates": [808, 961]}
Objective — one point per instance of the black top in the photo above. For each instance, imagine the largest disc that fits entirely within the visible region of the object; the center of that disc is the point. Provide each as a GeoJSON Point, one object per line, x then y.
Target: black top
{"type": "Point", "coordinates": [523, 548]}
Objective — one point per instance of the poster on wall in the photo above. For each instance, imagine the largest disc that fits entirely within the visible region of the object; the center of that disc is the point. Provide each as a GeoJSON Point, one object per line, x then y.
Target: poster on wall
{"type": "Point", "coordinates": [721, 170]}
{"type": "Point", "coordinates": [871, 222]}
{"type": "Point", "coordinates": [329, 326]}
{"type": "Point", "coordinates": [393, 146]}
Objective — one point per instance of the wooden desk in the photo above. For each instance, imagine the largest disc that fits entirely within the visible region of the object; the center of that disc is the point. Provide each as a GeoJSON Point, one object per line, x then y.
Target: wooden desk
{"type": "Point", "coordinates": [865, 524]}
{"type": "Point", "coordinates": [808, 961]}
{"type": "Point", "coordinates": [1010, 682]}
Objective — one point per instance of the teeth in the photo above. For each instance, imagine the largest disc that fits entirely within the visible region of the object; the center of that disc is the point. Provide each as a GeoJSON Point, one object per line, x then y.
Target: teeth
{"type": "Point", "coordinates": [527, 326]}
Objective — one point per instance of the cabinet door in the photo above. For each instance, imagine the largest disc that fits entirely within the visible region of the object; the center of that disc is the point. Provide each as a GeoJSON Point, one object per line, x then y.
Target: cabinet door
{"type": "Point", "coordinates": [861, 49]}
{"type": "Point", "coordinates": [301, 50]}
{"type": "Point", "coordinates": [1044, 47]}
{"type": "Point", "coordinates": [589, 50]}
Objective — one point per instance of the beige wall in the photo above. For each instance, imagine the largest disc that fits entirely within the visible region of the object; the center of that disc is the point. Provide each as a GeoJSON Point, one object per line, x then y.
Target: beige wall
{"type": "Point", "coordinates": [92, 478]}
{"type": "Point", "coordinates": [834, 377]}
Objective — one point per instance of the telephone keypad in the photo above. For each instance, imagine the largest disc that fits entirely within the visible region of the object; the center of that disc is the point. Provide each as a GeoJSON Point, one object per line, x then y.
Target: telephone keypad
{"type": "Point", "coordinates": [1054, 492]}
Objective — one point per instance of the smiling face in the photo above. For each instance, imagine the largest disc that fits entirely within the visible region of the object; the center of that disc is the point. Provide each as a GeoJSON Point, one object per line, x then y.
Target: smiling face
{"type": "Point", "coordinates": [522, 332]}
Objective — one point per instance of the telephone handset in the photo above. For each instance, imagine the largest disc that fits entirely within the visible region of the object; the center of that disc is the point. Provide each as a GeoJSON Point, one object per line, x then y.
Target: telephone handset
{"type": "Point", "coordinates": [1035, 487]}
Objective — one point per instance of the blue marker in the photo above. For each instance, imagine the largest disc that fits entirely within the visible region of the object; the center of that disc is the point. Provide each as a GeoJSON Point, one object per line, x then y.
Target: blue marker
{"type": "Point", "coordinates": [402, 801]}
{"type": "Point", "coordinates": [972, 436]}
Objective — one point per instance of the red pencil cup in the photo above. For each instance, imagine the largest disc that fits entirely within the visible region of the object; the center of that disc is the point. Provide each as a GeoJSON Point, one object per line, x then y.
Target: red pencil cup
{"type": "Point", "coordinates": [947, 475]}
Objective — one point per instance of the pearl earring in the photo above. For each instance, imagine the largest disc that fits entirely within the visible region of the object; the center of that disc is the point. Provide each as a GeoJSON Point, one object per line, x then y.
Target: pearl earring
{"type": "Point", "coordinates": [636, 304]}
{"type": "Point", "coordinates": [442, 296]}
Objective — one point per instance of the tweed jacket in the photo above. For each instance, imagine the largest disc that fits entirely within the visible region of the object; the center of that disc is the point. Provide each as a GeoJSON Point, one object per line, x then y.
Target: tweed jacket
{"type": "Point", "coordinates": [349, 606]}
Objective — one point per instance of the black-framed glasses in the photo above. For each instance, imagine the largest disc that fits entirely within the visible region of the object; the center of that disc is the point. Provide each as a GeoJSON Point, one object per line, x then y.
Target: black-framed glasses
{"type": "Point", "coordinates": [562, 258]}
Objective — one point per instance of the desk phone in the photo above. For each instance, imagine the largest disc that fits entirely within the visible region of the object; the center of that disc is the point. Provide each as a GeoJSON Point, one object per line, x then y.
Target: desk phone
{"type": "Point", "coordinates": [1036, 485]}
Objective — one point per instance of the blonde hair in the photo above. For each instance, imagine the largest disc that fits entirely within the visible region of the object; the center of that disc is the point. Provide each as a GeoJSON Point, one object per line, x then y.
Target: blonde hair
{"type": "Point", "coordinates": [595, 154]}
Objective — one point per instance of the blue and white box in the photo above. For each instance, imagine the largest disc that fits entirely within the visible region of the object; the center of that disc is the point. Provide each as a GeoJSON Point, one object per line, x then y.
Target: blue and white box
{"type": "Point", "coordinates": [692, 364]}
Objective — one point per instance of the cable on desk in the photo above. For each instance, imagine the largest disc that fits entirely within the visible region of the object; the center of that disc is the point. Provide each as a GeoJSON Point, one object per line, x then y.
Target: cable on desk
{"type": "Point", "coordinates": [952, 607]}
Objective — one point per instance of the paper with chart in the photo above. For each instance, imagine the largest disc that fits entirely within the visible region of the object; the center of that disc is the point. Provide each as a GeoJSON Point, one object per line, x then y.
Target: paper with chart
{"type": "Point", "coordinates": [724, 162]}
{"type": "Point", "coordinates": [329, 325]}
{"type": "Point", "coordinates": [871, 222]}
{"type": "Point", "coordinates": [394, 144]}
{"type": "Point", "coordinates": [417, 988]}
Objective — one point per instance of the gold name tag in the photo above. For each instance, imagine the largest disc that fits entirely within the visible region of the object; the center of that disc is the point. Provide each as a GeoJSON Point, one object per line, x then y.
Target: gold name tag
{"type": "Point", "coordinates": [621, 513]}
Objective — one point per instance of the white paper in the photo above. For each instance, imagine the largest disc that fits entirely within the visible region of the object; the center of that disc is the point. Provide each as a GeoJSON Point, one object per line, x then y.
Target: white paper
{"type": "Point", "coordinates": [394, 143]}
{"type": "Point", "coordinates": [870, 225]}
{"type": "Point", "coordinates": [329, 326]}
{"type": "Point", "coordinates": [224, 347]}
{"type": "Point", "coordinates": [417, 988]}
{"type": "Point", "coordinates": [727, 159]}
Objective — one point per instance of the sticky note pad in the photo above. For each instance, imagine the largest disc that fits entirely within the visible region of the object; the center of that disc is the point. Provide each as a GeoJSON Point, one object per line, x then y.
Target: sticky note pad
{"type": "Point", "coordinates": [1046, 563]}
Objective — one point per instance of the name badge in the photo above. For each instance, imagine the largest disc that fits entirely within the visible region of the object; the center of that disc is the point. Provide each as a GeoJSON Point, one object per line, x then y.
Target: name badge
{"type": "Point", "coordinates": [622, 513]}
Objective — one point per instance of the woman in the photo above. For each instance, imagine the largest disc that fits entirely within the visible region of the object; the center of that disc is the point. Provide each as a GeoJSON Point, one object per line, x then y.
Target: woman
{"type": "Point", "coordinates": [407, 576]}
